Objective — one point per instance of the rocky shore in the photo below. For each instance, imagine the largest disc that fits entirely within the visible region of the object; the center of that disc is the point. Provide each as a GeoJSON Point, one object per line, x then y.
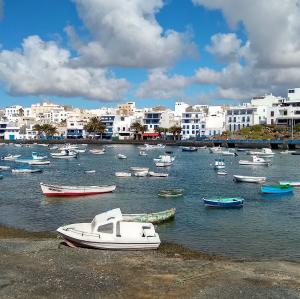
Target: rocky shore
{"type": "Point", "coordinates": [38, 265]}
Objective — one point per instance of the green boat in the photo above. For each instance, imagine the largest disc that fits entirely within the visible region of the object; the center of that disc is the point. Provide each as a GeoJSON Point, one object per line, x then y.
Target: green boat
{"type": "Point", "coordinates": [154, 218]}
{"type": "Point", "coordinates": [171, 192]}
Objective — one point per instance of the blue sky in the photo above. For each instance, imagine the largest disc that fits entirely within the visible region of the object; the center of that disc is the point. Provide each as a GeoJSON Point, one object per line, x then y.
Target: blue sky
{"type": "Point", "coordinates": [86, 53]}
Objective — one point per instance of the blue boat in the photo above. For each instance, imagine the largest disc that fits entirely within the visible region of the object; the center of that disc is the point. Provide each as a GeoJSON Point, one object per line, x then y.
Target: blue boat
{"type": "Point", "coordinates": [227, 202]}
{"type": "Point", "coordinates": [189, 149]}
{"type": "Point", "coordinates": [277, 189]}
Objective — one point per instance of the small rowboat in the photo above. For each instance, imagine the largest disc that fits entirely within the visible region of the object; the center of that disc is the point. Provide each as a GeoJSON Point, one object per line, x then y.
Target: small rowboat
{"type": "Point", "coordinates": [278, 189]}
{"type": "Point", "coordinates": [142, 153]}
{"type": "Point", "coordinates": [291, 183]}
{"type": "Point", "coordinates": [90, 171]}
{"type": "Point", "coordinates": [10, 157]}
{"type": "Point", "coordinates": [58, 190]}
{"type": "Point", "coordinates": [229, 202]}
{"type": "Point", "coordinates": [158, 174]}
{"type": "Point", "coordinates": [189, 149]}
{"type": "Point", "coordinates": [134, 169]}
{"type": "Point", "coordinates": [122, 174]}
{"type": "Point", "coordinates": [97, 152]}
{"type": "Point", "coordinates": [25, 170]}
{"type": "Point", "coordinates": [154, 218]}
{"type": "Point", "coordinates": [163, 164]}
{"type": "Point", "coordinates": [38, 162]}
{"type": "Point", "coordinates": [140, 173]}
{"type": "Point", "coordinates": [176, 192]}
{"type": "Point", "coordinates": [249, 179]}
{"type": "Point", "coordinates": [220, 172]}
{"type": "Point", "coordinates": [120, 156]}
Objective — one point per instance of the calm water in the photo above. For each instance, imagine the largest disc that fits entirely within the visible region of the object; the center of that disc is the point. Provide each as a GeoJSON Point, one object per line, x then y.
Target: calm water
{"type": "Point", "coordinates": [267, 226]}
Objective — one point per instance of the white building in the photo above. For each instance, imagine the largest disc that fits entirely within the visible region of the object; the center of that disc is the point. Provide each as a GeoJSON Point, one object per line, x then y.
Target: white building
{"type": "Point", "coordinates": [215, 120]}
{"type": "Point", "coordinates": [193, 124]}
{"type": "Point", "coordinates": [12, 132]}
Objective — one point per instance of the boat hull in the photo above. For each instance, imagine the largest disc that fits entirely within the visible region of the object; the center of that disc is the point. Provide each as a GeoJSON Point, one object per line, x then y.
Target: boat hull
{"type": "Point", "coordinates": [249, 179]}
{"type": "Point", "coordinates": [219, 204]}
{"type": "Point", "coordinates": [276, 190]}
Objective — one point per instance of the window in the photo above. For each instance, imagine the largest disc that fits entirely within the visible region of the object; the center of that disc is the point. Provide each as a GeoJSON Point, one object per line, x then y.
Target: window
{"type": "Point", "coordinates": [243, 119]}
{"type": "Point", "coordinates": [291, 90]}
{"type": "Point", "coordinates": [183, 127]}
{"type": "Point", "coordinates": [106, 228]}
{"type": "Point", "coordinates": [248, 118]}
{"type": "Point", "coordinates": [183, 132]}
{"type": "Point", "coordinates": [203, 126]}
{"type": "Point", "coordinates": [193, 127]}
{"type": "Point", "coordinates": [285, 112]}
{"type": "Point", "coordinates": [230, 119]}
{"type": "Point", "coordinates": [197, 126]}
{"type": "Point", "coordinates": [272, 113]}
{"type": "Point", "coordinates": [234, 119]}
{"type": "Point", "coordinates": [187, 132]}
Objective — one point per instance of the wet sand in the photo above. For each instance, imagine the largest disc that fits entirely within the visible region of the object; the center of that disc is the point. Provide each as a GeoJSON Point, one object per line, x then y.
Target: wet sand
{"type": "Point", "coordinates": [38, 265]}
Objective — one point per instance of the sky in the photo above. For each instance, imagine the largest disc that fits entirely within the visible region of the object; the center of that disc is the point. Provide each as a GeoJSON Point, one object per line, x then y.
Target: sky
{"type": "Point", "coordinates": [95, 53]}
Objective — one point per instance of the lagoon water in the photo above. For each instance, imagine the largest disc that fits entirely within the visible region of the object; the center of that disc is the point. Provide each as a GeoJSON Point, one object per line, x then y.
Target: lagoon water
{"type": "Point", "coordinates": [268, 227]}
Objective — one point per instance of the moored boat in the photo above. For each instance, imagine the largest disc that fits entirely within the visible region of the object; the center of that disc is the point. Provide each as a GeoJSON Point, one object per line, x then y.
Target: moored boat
{"type": "Point", "coordinates": [222, 172]}
{"type": "Point", "coordinates": [122, 174]}
{"type": "Point", "coordinates": [226, 202]}
{"type": "Point", "coordinates": [90, 171]}
{"type": "Point", "coordinates": [265, 153]}
{"type": "Point", "coordinates": [38, 162]}
{"type": "Point", "coordinates": [189, 149]}
{"type": "Point", "coordinates": [60, 190]}
{"type": "Point", "coordinates": [134, 169]}
{"type": "Point", "coordinates": [291, 183]}
{"type": "Point", "coordinates": [276, 189]}
{"type": "Point", "coordinates": [249, 179]}
{"type": "Point", "coordinates": [255, 161]}
{"type": "Point", "coordinates": [120, 156]}
{"type": "Point", "coordinates": [109, 231]}
{"type": "Point", "coordinates": [97, 151]}
{"type": "Point", "coordinates": [219, 164]}
{"type": "Point", "coordinates": [154, 218]}
{"type": "Point", "coordinates": [163, 164]}
{"type": "Point", "coordinates": [175, 192]}
{"type": "Point", "coordinates": [215, 149]}
{"type": "Point", "coordinates": [10, 157]}
{"type": "Point", "coordinates": [142, 153]}
{"type": "Point", "coordinates": [141, 173]}
{"type": "Point", "coordinates": [25, 170]}
{"type": "Point", "coordinates": [4, 167]}
{"type": "Point", "coordinates": [286, 152]}
{"type": "Point", "coordinates": [37, 156]}
{"type": "Point", "coordinates": [157, 174]}
{"type": "Point", "coordinates": [228, 153]}
{"type": "Point", "coordinates": [64, 154]}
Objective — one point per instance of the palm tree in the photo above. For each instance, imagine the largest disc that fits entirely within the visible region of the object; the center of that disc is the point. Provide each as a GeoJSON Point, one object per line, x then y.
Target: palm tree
{"type": "Point", "coordinates": [95, 126]}
{"type": "Point", "coordinates": [176, 131]}
{"type": "Point", "coordinates": [160, 131]}
{"type": "Point", "coordinates": [49, 130]}
{"type": "Point", "coordinates": [38, 129]}
{"type": "Point", "coordinates": [137, 128]}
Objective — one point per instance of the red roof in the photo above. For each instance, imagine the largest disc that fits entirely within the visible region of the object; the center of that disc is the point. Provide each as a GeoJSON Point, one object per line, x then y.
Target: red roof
{"type": "Point", "coordinates": [147, 134]}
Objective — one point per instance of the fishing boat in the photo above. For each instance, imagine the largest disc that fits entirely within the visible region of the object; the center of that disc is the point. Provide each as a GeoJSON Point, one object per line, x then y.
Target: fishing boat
{"type": "Point", "coordinates": [25, 170]}
{"type": "Point", "coordinates": [255, 161]}
{"type": "Point", "coordinates": [189, 149]}
{"type": "Point", "coordinates": [163, 164]}
{"type": "Point", "coordinates": [37, 156]}
{"type": "Point", "coordinates": [228, 153]}
{"type": "Point", "coordinates": [38, 162]}
{"type": "Point", "coordinates": [120, 156]}
{"type": "Point", "coordinates": [286, 152]}
{"type": "Point", "coordinates": [154, 218]}
{"type": "Point", "coordinates": [291, 183]}
{"type": "Point", "coordinates": [122, 174]}
{"type": "Point", "coordinates": [10, 157]}
{"type": "Point", "coordinates": [226, 202]}
{"type": "Point", "coordinates": [59, 190]}
{"type": "Point", "coordinates": [134, 169]}
{"type": "Point", "coordinates": [219, 164]}
{"type": "Point", "coordinates": [142, 153]}
{"type": "Point", "coordinates": [90, 171]}
{"type": "Point", "coordinates": [141, 173]}
{"type": "Point", "coordinates": [249, 179]}
{"type": "Point", "coordinates": [109, 231]}
{"type": "Point", "coordinates": [176, 192]}
{"type": "Point", "coordinates": [220, 172]}
{"type": "Point", "coordinates": [215, 149]}
{"type": "Point", "coordinates": [4, 167]}
{"type": "Point", "coordinates": [64, 154]}
{"type": "Point", "coordinates": [276, 189]}
{"type": "Point", "coordinates": [158, 174]}
{"type": "Point", "coordinates": [265, 153]}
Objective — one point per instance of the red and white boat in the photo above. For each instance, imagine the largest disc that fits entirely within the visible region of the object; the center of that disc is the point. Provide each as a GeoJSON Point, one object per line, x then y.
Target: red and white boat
{"type": "Point", "coordinates": [58, 190]}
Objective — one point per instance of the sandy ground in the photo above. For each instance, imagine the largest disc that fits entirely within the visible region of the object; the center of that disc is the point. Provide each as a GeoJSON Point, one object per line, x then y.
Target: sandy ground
{"type": "Point", "coordinates": [40, 266]}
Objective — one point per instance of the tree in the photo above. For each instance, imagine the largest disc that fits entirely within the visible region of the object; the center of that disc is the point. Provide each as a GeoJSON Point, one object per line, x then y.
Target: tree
{"type": "Point", "coordinates": [95, 126]}
{"type": "Point", "coordinates": [137, 128]}
{"type": "Point", "coordinates": [161, 131]}
{"type": "Point", "coordinates": [47, 129]}
{"type": "Point", "coordinates": [175, 130]}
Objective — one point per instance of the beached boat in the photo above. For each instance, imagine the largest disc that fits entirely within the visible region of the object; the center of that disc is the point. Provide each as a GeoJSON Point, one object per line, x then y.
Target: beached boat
{"type": "Point", "coordinates": [59, 190]}
{"type": "Point", "coordinates": [291, 183]}
{"type": "Point", "coordinates": [37, 156]}
{"type": "Point", "coordinates": [226, 202]}
{"type": "Point", "coordinates": [122, 174]}
{"type": "Point", "coordinates": [154, 218]}
{"type": "Point", "coordinates": [158, 174]}
{"type": "Point", "coordinates": [109, 231]}
{"type": "Point", "coordinates": [175, 192]}
{"type": "Point", "coordinates": [90, 171]}
{"type": "Point", "coordinates": [255, 161]}
{"type": "Point", "coordinates": [265, 153]}
{"type": "Point", "coordinates": [120, 156]}
{"type": "Point", "coordinates": [249, 179]}
{"type": "Point", "coordinates": [25, 170]}
{"type": "Point", "coordinates": [64, 154]}
{"type": "Point", "coordinates": [219, 164]}
{"type": "Point", "coordinates": [142, 153]}
{"type": "Point", "coordinates": [138, 169]}
{"type": "Point", "coordinates": [38, 162]}
{"type": "Point", "coordinates": [276, 189]}
{"type": "Point", "coordinates": [10, 157]}
{"type": "Point", "coordinates": [4, 167]}
{"type": "Point", "coordinates": [140, 173]}
{"type": "Point", "coordinates": [189, 149]}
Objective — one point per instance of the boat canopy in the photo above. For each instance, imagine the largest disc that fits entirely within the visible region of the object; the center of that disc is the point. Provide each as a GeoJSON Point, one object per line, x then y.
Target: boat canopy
{"type": "Point", "coordinates": [111, 216]}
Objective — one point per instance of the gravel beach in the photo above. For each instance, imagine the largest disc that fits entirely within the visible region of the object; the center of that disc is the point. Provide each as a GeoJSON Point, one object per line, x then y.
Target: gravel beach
{"type": "Point", "coordinates": [37, 265]}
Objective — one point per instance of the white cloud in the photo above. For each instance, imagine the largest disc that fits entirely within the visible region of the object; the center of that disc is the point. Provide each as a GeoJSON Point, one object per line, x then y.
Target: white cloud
{"type": "Point", "coordinates": [42, 68]}
{"type": "Point", "coordinates": [161, 86]}
{"type": "Point", "coordinates": [125, 33]}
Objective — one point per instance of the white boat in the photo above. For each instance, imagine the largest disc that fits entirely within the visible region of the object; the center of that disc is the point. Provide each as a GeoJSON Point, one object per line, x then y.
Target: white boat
{"type": "Point", "coordinates": [221, 172]}
{"type": "Point", "coordinates": [286, 152]}
{"type": "Point", "coordinates": [140, 173]}
{"type": "Point", "coordinates": [215, 149]}
{"type": "Point", "coordinates": [37, 156]}
{"type": "Point", "coordinates": [219, 164]}
{"type": "Point", "coordinates": [10, 157]}
{"type": "Point", "coordinates": [249, 179]}
{"type": "Point", "coordinates": [59, 190]}
{"type": "Point", "coordinates": [25, 170]}
{"type": "Point", "coordinates": [122, 174]}
{"type": "Point", "coordinates": [255, 161]}
{"type": "Point", "coordinates": [153, 146]}
{"type": "Point", "coordinates": [265, 153]}
{"type": "Point", "coordinates": [69, 147]}
{"type": "Point", "coordinates": [97, 152]}
{"type": "Point", "coordinates": [38, 162]}
{"type": "Point", "coordinates": [134, 169]}
{"type": "Point", "coordinates": [228, 153]}
{"type": "Point", "coordinates": [53, 148]}
{"type": "Point", "coordinates": [109, 231]}
{"type": "Point", "coordinates": [158, 174]}
{"type": "Point", "coordinates": [79, 151]}
{"type": "Point", "coordinates": [142, 153]}
{"type": "Point", "coordinates": [120, 156]}
{"type": "Point", "coordinates": [4, 168]}
{"type": "Point", "coordinates": [64, 154]}
{"type": "Point", "coordinates": [163, 164]}
{"type": "Point", "coordinates": [291, 183]}
{"type": "Point", "coordinates": [90, 171]}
